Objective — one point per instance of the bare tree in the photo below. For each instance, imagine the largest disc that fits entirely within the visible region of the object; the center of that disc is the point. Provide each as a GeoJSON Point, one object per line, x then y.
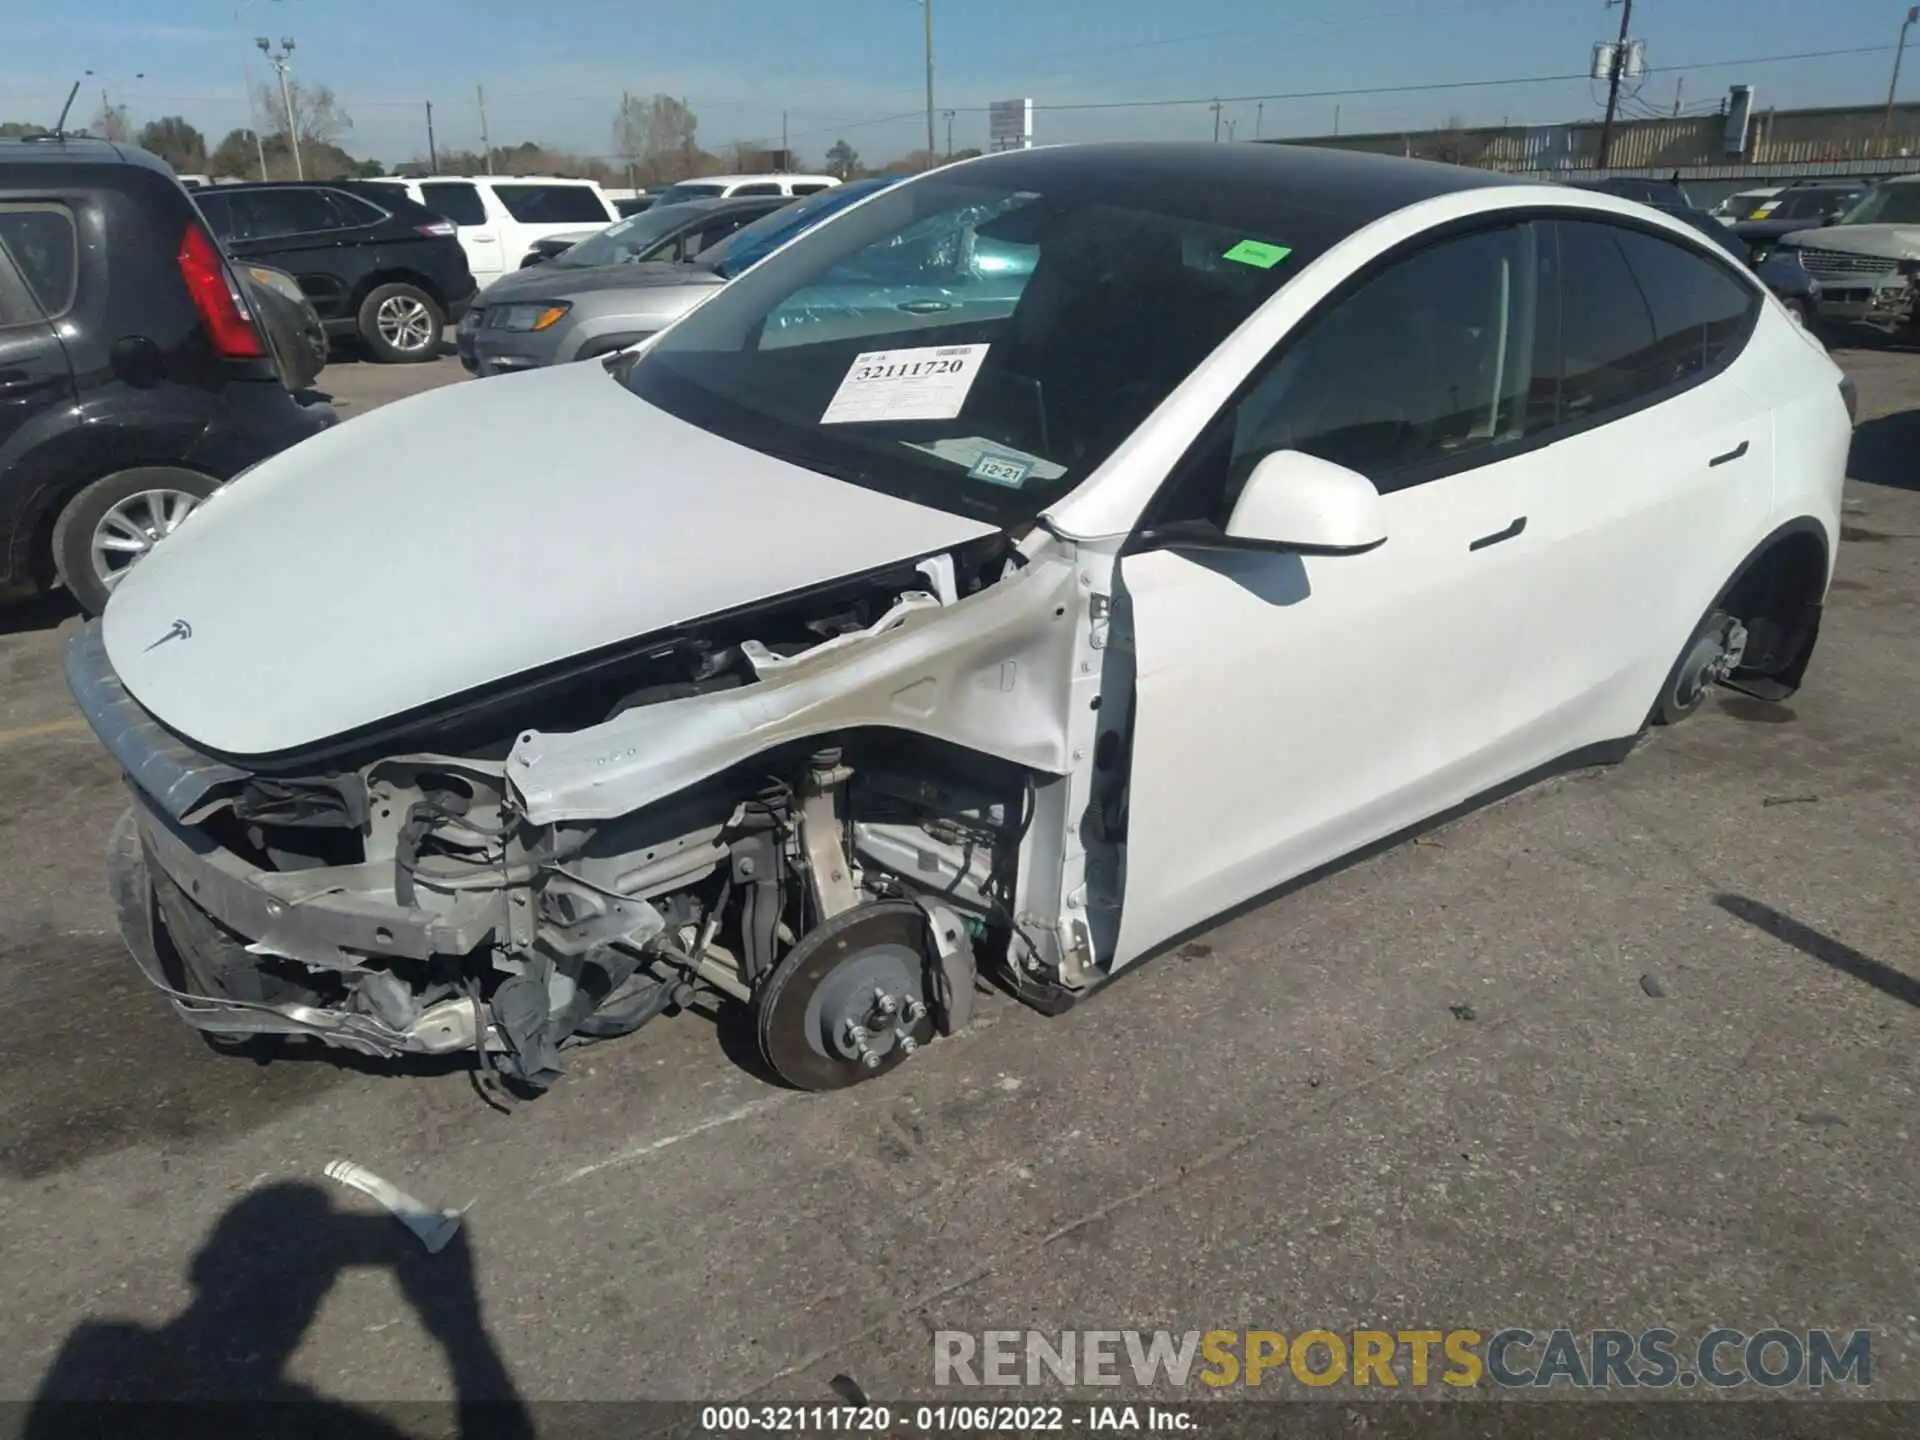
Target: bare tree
{"type": "Point", "coordinates": [318, 119]}
{"type": "Point", "coordinates": [112, 123]}
{"type": "Point", "coordinates": [654, 137]}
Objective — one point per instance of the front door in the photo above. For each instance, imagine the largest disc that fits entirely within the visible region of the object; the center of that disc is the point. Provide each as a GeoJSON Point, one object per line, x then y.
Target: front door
{"type": "Point", "coordinates": [1290, 709]}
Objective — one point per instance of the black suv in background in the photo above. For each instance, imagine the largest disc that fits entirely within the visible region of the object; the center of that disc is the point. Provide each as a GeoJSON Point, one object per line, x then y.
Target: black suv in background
{"type": "Point", "coordinates": [135, 372]}
{"type": "Point", "coordinates": [375, 264]}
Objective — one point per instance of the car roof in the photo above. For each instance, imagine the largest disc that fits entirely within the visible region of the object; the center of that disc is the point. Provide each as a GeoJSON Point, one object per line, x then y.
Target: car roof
{"type": "Point", "coordinates": [1350, 188]}
{"type": "Point", "coordinates": [484, 179]}
{"type": "Point", "coordinates": [76, 150]}
{"type": "Point", "coordinates": [764, 175]}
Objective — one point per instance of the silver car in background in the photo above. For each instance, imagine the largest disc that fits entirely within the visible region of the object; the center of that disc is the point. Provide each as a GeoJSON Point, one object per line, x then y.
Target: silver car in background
{"type": "Point", "coordinates": [1867, 260]}
{"type": "Point", "coordinates": [551, 314]}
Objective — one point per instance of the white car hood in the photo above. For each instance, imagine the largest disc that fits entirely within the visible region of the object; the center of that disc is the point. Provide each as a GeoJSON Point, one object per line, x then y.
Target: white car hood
{"type": "Point", "coordinates": [467, 535]}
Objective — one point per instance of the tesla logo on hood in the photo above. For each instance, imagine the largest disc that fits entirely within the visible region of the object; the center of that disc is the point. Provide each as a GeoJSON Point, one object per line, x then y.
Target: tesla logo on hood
{"type": "Point", "coordinates": [179, 630]}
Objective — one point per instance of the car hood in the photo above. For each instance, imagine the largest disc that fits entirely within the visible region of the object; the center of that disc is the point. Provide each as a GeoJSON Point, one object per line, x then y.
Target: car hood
{"type": "Point", "coordinates": [465, 536]}
{"type": "Point", "coordinates": [553, 281]}
{"type": "Point", "coordinates": [1895, 242]}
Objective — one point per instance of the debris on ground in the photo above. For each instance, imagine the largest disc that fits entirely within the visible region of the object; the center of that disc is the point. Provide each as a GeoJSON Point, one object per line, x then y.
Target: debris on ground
{"type": "Point", "coordinates": [434, 1227]}
{"type": "Point", "coordinates": [1651, 984]}
{"type": "Point", "coordinates": [1820, 1118]}
{"type": "Point", "coordinates": [1463, 1011]}
{"type": "Point", "coordinates": [1791, 800]}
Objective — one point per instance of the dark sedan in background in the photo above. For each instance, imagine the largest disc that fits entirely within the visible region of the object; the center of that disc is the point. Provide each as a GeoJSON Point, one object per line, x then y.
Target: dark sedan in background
{"type": "Point", "coordinates": [377, 266]}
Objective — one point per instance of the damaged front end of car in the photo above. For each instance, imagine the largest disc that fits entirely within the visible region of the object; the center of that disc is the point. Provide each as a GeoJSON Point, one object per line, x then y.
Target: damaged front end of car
{"type": "Point", "coordinates": [836, 808]}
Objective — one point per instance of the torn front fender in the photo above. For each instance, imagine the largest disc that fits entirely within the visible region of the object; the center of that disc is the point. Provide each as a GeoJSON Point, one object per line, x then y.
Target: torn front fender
{"type": "Point", "coordinates": [988, 673]}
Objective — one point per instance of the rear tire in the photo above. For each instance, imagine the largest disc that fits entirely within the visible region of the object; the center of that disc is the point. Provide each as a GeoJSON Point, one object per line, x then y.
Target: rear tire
{"type": "Point", "coordinates": [1711, 654]}
{"type": "Point", "coordinates": [106, 529]}
{"type": "Point", "coordinates": [401, 324]}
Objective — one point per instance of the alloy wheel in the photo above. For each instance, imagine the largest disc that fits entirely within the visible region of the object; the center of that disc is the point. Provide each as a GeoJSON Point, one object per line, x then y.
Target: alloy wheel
{"type": "Point", "coordinates": [133, 527]}
{"type": "Point", "coordinates": [405, 323]}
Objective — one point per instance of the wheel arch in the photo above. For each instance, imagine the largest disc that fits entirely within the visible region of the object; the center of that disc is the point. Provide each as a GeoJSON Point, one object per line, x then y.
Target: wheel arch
{"type": "Point", "coordinates": [1778, 592]}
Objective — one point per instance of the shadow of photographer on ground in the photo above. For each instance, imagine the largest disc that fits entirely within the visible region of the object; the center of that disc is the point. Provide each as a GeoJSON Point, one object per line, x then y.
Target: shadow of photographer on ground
{"type": "Point", "coordinates": [258, 1281]}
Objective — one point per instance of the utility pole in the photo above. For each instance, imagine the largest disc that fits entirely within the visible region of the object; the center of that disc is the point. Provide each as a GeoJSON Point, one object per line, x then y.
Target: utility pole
{"type": "Point", "coordinates": [1613, 84]}
{"type": "Point", "coordinates": [1215, 107]}
{"type": "Point", "coordinates": [1336, 119]}
{"type": "Point", "coordinates": [927, 5]}
{"type": "Point", "coordinates": [433, 154]}
{"type": "Point", "coordinates": [1259, 118]}
{"type": "Point", "coordinates": [949, 115]}
{"type": "Point", "coordinates": [786, 155]}
{"type": "Point", "coordinates": [1679, 82]}
{"type": "Point", "coordinates": [486, 144]}
{"type": "Point", "coordinates": [1886, 124]}
{"type": "Point", "coordinates": [1230, 125]}
{"type": "Point", "coordinates": [279, 63]}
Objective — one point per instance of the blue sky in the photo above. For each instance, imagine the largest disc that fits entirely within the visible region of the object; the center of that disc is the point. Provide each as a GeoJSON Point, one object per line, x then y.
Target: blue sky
{"type": "Point", "coordinates": [554, 71]}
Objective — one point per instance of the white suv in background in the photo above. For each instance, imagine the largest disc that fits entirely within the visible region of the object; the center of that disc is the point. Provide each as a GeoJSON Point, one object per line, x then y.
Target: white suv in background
{"type": "Point", "coordinates": [726, 187]}
{"type": "Point", "coordinates": [498, 217]}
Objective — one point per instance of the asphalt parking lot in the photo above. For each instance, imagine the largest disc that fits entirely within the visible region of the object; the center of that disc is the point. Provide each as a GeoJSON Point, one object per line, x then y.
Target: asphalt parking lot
{"type": "Point", "coordinates": [1633, 1048]}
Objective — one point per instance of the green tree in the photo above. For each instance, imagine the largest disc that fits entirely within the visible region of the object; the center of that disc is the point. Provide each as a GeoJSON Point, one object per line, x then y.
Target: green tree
{"type": "Point", "coordinates": [237, 155]}
{"type": "Point", "coordinates": [843, 160]}
{"type": "Point", "coordinates": [14, 129]}
{"type": "Point", "coordinates": [176, 142]}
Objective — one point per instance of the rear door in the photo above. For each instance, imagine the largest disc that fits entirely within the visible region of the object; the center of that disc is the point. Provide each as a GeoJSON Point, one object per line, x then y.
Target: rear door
{"type": "Point", "coordinates": [298, 231]}
{"type": "Point", "coordinates": [38, 272]}
{"type": "Point", "coordinates": [479, 230]}
{"type": "Point", "coordinates": [1659, 467]}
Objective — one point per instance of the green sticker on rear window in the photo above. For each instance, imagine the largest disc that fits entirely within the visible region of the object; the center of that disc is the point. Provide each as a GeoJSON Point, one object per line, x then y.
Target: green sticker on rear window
{"type": "Point", "coordinates": [1258, 252]}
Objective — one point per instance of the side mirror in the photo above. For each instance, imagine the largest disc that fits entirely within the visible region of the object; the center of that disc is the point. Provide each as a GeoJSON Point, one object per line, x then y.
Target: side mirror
{"type": "Point", "coordinates": [1298, 502]}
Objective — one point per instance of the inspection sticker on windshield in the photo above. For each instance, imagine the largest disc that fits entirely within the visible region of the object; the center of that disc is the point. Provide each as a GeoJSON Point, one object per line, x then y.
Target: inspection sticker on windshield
{"type": "Point", "coordinates": [929, 382]}
{"type": "Point", "coordinates": [1258, 253]}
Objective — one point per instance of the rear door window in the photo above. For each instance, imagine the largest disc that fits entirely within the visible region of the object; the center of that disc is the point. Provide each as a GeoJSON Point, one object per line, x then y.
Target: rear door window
{"type": "Point", "coordinates": [759, 187]}
{"type": "Point", "coordinates": [352, 210]}
{"type": "Point", "coordinates": [459, 201]}
{"type": "Point", "coordinates": [218, 212]}
{"type": "Point", "coordinates": [810, 188]}
{"type": "Point", "coordinates": [553, 204]}
{"type": "Point", "coordinates": [1701, 314]}
{"type": "Point", "coordinates": [268, 214]}
{"type": "Point", "coordinates": [39, 239]}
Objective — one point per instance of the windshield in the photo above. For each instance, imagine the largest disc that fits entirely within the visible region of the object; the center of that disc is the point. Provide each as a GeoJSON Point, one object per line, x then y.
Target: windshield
{"type": "Point", "coordinates": [755, 242]}
{"type": "Point", "coordinates": [974, 347]}
{"type": "Point", "coordinates": [628, 240]}
{"type": "Point", "coordinates": [1885, 205]}
{"type": "Point", "coordinates": [688, 190]}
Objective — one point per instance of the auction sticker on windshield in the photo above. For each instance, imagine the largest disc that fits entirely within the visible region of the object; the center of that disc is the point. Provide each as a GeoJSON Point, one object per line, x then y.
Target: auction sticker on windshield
{"type": "Point", "coordinates": [929, 382]}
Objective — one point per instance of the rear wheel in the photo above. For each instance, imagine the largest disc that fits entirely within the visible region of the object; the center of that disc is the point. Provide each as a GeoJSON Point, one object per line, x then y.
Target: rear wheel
{"type": "Point", "coordinates": [1713, 654]}
{"type": "Point", "coordinates": [114, 523]}
{"type": "Point", "coordinates": [401, 323]}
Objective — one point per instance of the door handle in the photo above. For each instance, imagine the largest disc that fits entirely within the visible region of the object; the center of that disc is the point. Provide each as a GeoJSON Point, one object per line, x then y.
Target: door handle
{"type": "Point", "coordinates": [1733, 454]}
{"type": "Point", "coordinates": [480, 237]}
{"type": "Point", "coordinates": [1519, 524]}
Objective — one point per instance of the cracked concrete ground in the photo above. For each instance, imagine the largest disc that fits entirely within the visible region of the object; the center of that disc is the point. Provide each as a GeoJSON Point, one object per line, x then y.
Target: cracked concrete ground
{"type": "Point", "coordinates": [1286, 1124]}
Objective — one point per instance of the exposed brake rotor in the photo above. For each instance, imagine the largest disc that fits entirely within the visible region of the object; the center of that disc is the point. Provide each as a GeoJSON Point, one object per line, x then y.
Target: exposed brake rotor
{"type": "Point", "coordinates": [851, 1001]}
